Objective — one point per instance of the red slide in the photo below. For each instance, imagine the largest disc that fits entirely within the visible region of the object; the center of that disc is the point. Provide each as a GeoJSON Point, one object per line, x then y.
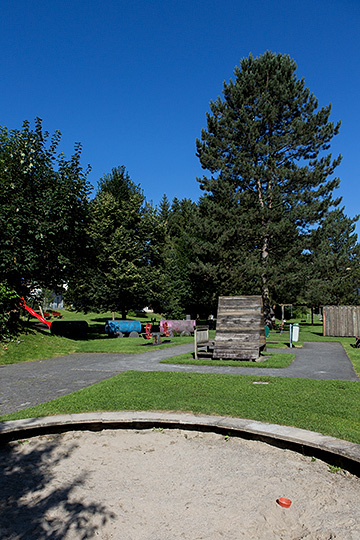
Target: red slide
{"type": "Point", "coordinates": [41, 319]}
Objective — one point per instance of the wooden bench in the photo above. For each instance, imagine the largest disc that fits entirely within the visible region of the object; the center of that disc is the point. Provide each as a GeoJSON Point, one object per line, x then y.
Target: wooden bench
{"type": "Point", "coordinates": [202, 344]}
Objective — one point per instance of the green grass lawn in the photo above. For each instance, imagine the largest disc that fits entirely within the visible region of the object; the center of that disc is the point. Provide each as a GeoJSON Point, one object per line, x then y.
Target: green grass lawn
{"type": "Point", "coordinates": [270, 360]}
{"type": "Point", "coordinates": [330, 407]}
{"type": "Point", "coordinates": [37, 342]}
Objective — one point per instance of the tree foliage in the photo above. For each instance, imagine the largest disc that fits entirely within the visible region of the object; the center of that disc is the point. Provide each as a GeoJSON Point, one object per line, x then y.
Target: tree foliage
{"type": "Point", "coordinates": [177, 222]}
{"type": "Point", "coordinates": [8, 322]}
{"type": "Point", "coordinates": [43, 209]}
{"type": "Point", "coordinates": [123, 272]}
{"type": "Point", "coordinates": [265, 147]}
{"type": "Point", "coordinates": [333, 262]}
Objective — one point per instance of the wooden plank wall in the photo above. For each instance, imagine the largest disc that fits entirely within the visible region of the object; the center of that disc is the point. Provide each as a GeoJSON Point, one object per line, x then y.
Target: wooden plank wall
{"type": "Point", "coordinates": [341, 321]}
{"type": "Point", "coordinates": [240, 333]}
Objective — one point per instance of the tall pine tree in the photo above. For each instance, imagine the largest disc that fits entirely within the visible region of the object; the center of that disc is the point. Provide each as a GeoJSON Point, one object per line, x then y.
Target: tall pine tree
{"type": "Point", "coordinates": [266, 141]}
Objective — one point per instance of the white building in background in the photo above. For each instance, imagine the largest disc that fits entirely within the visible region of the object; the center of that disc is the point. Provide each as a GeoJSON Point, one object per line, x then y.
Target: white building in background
{"type": "Point", "coordinates": [57, 302]}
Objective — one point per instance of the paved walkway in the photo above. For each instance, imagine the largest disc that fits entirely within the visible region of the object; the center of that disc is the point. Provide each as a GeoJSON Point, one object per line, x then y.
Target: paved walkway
{"type": "Point", "coordinates": [31, 383]}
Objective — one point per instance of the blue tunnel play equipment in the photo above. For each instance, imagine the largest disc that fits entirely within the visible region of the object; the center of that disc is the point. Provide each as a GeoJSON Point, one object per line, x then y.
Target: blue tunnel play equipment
{"type": "Point", "coordinates": [123, 328]}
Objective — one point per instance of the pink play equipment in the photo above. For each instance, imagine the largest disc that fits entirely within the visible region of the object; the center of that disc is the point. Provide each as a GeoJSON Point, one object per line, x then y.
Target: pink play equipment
{"type": "Point", "coordinates": [184, 327]}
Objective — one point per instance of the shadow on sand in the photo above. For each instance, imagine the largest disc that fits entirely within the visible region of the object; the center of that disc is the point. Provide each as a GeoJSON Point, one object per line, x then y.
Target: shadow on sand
{"type": "Point", "coordinates": [33, 506]}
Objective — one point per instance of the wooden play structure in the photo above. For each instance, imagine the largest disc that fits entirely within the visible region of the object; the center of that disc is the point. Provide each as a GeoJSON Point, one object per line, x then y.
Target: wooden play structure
{"type": "Point", "coordinates": [240, 331]}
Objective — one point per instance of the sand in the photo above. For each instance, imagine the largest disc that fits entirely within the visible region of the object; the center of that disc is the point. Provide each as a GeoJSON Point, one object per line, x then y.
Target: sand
{"type": "Point", "coordinates": [170, 484]}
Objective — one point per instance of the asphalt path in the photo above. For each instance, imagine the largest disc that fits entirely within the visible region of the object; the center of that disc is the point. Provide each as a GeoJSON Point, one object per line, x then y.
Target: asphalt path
{"type": "Point", "coordinates": [31, 383]}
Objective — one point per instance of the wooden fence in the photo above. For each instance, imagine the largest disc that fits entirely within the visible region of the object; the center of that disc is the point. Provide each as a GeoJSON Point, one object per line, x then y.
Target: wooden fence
{"type": "Point", "coordinates": [240, 333]}
{"type": "Point", "coordinates": [341, 321]}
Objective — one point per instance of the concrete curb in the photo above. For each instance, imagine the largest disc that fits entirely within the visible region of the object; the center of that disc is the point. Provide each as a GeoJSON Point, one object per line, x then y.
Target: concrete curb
{"type": "Point", "coordinates": [334, 451]}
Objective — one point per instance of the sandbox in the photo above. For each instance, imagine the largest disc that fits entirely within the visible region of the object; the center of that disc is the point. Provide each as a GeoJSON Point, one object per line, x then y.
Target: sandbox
{"type": "Point", "coordinates": [161, 484]}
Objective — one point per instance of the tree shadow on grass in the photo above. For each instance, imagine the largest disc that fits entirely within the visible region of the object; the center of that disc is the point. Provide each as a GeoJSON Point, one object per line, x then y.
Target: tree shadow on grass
{"type": "Point", "coordinates": [33, 503]}
{"type": "Point", "coordinates": [96, 331]}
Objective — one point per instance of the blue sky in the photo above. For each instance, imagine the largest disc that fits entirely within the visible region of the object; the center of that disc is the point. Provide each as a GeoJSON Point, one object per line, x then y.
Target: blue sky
{"type": "Point", "coordinates": [132, 80]}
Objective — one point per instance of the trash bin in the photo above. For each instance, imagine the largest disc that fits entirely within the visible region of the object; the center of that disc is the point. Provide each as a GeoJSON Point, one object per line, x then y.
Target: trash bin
{"type": "Point", "coordinates": [295, 332]}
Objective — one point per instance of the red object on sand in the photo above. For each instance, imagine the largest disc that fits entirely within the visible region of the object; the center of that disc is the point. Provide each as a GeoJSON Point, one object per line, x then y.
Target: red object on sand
{"type": "Point", "coordinates": [285, 503]}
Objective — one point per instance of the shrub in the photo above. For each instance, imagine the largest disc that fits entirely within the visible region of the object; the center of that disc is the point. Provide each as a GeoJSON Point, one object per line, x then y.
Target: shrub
{"type": "Point", "coordinates": [9, 315]}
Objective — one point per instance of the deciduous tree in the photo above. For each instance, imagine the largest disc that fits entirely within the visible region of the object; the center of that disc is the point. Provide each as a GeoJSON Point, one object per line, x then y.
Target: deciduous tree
{"type": "Point", "coordinates": [43, 209]}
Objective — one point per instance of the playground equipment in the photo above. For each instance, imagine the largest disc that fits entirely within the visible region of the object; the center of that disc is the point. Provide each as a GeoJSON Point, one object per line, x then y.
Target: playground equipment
{"type": "Point", "coordinates": [156, 331]}
{"type": "Point", "coordinates": [70, 329]}
{"type": "Point", "coordinates": [135, 328]}
{"type": "Point", "coordinates": [240, 331]}
{"type": "Point", "coordinates": [123, 328]}
{"type": "Point", "coordinates": [184, 328]}
{"type": "Point", "coordinates": [33, 313]}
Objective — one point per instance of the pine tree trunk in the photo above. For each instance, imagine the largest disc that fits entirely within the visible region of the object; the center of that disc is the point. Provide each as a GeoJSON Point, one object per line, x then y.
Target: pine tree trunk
{"type": "Point", "coordinates": [264, 256]}
{"type": "Point", "coordinates": [264, 282]}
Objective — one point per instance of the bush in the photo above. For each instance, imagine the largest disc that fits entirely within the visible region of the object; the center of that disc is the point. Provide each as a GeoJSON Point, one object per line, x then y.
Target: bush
{"type": "Point", "coordinates": [9, 315]}
{"type": "Point", "coordinates": [300, 312]}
